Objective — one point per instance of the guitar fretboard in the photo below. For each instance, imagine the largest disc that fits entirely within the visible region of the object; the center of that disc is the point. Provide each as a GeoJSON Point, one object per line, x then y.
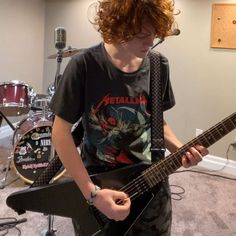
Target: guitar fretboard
{"type": "Point", "coordinates": [160, 170]}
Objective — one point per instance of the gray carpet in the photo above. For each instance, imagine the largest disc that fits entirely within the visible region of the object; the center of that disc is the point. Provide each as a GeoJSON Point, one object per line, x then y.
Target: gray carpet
{"type": "Point", "coordinates": [207, 208]}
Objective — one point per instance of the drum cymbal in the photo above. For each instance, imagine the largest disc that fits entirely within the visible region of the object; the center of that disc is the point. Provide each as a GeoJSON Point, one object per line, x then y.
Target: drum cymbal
{"type": "Point", "coordinates": [66, 53]}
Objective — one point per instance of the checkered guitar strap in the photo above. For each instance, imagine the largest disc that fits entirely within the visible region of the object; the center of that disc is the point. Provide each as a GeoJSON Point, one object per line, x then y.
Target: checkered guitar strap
{"type": "Point", "coordinates": [157, 132]}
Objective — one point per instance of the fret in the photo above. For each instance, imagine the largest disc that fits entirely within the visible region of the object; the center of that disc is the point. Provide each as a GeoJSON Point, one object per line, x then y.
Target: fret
{"type": "Point", "coordinates": [229, 125]}
{"type": "Point", "coordinates": [173, 161]}
{"type": "Point", "coordinates": [204, 140]}
{"type": "Point", "coordinates": [165, 169]}
{"type": "Point", "coordinates": [233, 122]}
{"type": "Point", "coordinates": [213, 137]}
{"type": "Point", "coordinates": [178, 159]}
{"type": "Point", "coordinates": [224, 124]}
{"type": "Point", "coordinates": [152, 180]}
{"type": "Point", "coordinates": [218, 134]}
{"type": "Point", "coordinates": [169, 166]}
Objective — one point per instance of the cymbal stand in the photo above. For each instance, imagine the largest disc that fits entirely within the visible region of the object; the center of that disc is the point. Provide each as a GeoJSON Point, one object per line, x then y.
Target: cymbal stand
{"type": "Point", "coordinates": [50, 231]}
{"type": "Point", "coordinates": [3, 180]}
{"type": "Point", "coordinates": [2, 116]}
{"type": "Point", "coordinates": [9, 159]}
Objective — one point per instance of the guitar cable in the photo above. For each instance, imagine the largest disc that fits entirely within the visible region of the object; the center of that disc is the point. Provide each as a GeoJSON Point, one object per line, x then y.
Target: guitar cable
{"type": "Point", "coordinates": [11, 225]}
{"type": "Point", "coordinates": [178, 194]}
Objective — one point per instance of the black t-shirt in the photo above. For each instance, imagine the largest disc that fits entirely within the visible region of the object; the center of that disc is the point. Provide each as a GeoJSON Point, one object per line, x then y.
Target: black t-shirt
{"type": "Point", "coordinates": [114, 106]}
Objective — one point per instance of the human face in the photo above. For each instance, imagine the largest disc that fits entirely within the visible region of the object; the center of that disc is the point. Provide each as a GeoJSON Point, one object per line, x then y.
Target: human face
{"type": "Point", "coordinates": [141, 43]}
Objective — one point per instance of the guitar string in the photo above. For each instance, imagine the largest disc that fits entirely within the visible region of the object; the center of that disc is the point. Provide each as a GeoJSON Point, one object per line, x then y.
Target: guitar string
{"type": "Point", "coordinates": [180, 153]}
{"type": "Point", "coordinates": [132, 186]}
{"type": "Point", "coordinates": [211, 132]}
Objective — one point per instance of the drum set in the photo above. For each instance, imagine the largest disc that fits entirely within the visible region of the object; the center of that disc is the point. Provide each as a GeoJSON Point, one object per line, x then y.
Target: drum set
{"type": "Point", "coordinates": [31, 141]}
{"type": "Point", "coordinates": [32, 147]}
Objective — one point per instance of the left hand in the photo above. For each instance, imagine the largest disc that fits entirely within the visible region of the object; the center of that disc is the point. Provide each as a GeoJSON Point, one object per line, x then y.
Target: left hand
{"type": "Point", "coordinates": [193, 156]}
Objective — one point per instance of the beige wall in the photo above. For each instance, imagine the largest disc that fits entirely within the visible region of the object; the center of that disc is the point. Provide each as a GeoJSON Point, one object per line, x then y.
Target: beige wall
{"type": "Point", "coordinates": [203, 78]}
{"type": "Point", "coordinates": [22, 41]}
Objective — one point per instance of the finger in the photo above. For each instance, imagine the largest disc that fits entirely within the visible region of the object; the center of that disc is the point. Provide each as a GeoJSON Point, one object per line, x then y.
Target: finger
{"type": "Point", "coordinates": [185, 162]}
{"type": "Point", "coordinates": [121, 198]}
{"type": "Point", "coordinates": [191, 158]}
{"type": "Point", "coordinates": [202, 150]}
{"type": "Point", "coordinates": [119, 195]}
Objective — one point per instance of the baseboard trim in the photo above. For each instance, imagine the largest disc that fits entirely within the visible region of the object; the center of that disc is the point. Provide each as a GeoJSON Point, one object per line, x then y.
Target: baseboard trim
{"type": "Point", "coordinates": [218, 163]}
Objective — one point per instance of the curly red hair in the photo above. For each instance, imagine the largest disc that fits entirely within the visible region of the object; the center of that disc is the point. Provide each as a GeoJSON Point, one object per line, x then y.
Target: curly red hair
{"type": "Point", "coordinates": [121, 20]}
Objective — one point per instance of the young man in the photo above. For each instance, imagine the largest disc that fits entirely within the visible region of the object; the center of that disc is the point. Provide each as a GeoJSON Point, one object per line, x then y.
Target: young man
{"type": "Point", "coordinates": [108, 86]}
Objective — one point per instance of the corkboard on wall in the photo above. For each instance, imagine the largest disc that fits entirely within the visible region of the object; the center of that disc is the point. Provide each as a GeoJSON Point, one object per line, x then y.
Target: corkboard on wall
{"type": "Point", "coordinates": [223, 28]}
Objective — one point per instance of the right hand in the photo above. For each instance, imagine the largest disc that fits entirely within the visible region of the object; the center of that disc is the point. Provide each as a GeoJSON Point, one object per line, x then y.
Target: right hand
{"type": "Point", "coordinates": [113, 204]}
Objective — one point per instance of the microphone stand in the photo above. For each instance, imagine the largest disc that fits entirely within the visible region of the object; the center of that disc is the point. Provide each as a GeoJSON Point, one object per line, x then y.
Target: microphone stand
{"type": "Point", "coordinates": [50, 231]}
{"type": "Point", "coordinates": [58, 75]}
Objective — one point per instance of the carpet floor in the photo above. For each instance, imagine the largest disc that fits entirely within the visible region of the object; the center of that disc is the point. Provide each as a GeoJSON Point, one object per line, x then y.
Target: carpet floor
{"type": "Point", "coordinates": [206, 208]}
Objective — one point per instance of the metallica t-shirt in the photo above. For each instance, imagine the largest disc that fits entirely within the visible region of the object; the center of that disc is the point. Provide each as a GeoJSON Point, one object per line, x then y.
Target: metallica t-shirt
{"type": "Point", "coordinates": [114, 106]}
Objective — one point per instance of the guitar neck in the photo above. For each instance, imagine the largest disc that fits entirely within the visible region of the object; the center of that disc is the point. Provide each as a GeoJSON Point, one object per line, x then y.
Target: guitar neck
{"type": "Point", "coordinates": [160, 170]}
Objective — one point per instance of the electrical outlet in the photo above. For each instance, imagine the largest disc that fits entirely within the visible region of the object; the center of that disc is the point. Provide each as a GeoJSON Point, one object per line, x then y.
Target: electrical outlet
{"type": "Point", "coordinates": [198, 132]}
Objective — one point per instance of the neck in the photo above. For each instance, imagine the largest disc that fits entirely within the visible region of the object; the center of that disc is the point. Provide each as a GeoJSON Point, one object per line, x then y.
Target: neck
{"type": "Point", "coordinates": [122, 59]}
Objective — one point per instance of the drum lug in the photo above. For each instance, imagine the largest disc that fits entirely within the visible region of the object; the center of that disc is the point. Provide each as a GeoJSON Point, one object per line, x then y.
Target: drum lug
{"type": "Point", "coordinates": [4, 101]}
{"type": "Point", "coordinates": [22, 102]}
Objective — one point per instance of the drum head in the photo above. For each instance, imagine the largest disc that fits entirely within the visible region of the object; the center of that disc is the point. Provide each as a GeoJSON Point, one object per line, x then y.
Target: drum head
{"type": "Point", "coordinates": [32, 153]}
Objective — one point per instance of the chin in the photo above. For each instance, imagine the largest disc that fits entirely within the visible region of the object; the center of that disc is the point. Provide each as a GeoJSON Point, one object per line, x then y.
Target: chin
{"type": "Point", "coordinates": [141, 54]}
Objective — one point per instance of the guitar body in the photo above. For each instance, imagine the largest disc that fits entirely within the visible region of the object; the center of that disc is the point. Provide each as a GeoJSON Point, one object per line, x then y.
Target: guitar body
{"type": "Point", "coordinates": [65, 199]}
{"type": "Point", "coordinates": [138, 181]}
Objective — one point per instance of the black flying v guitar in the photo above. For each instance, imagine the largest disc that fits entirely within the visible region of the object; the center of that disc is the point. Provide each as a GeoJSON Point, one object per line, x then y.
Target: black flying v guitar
{"type": "Point", "coordinates": [65, 199]}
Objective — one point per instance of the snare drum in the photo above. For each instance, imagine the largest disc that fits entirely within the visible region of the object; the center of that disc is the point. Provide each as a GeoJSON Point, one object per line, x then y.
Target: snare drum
{"type": "Point", "coordinates": [15, 98]}
{"type": "Point", "coordinates": [41, 102]}
{"type": "Point", "coordinates": [32, 147]}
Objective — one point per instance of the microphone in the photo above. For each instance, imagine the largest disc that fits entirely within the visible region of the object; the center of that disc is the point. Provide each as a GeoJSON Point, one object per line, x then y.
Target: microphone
{"type": "Point", "coordinates": [60, 38]}
{"type": "Point", "coordinates": [175, 32]}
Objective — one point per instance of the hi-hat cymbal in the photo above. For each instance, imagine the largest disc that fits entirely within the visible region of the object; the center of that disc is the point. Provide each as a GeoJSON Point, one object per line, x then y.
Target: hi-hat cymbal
{"type": "Point", "coordinates": [66, 53]}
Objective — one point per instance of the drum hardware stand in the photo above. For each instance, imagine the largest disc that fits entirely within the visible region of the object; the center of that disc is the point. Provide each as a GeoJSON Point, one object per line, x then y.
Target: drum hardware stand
{"type": "Point", "coordinates": [2, 116]}
{"type": "Point", "coordinates": [44, 105]}
{"type": "Point", "coordinates": [3, 180]}
{"type": "Point", "coordinates": [50, 231]}
{"type": "Point", "coordinates": [6, 169]}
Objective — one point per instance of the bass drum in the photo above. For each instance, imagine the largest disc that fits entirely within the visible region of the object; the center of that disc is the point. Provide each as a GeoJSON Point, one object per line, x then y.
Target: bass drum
{"type": "Point", "coordinates": [32, 147]}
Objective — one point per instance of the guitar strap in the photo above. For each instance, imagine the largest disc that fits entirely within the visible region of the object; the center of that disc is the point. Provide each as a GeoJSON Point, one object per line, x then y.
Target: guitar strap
{"type": "Point", "coordinates": [157, 132]}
